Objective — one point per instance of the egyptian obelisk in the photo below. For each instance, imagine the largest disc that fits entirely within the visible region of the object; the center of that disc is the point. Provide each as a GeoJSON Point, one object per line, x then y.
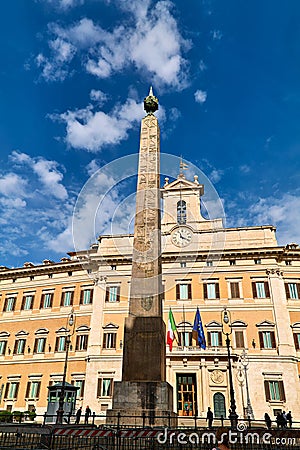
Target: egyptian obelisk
{"type": "Point", "coordinates": [143, 389]}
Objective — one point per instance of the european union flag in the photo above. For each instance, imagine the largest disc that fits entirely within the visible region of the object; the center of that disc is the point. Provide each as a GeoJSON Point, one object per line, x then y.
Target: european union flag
{"type": "Point", "coordinates": [198, 332]}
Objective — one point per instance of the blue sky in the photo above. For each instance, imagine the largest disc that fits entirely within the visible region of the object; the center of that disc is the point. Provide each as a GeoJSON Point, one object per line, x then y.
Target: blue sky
{"type": "Point", "coordinates": [72, 79]}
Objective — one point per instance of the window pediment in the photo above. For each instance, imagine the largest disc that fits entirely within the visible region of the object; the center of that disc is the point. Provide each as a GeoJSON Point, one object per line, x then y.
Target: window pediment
{"type": "Point", "coordinates": [110, 326]}
{"type": "Point", "coordinates": [42, 331]}
{"type": "Point", "coordinates": [238, 324]}
{"type": "Point", "coordinates": [4, 334]}
{"type": "Point", "coordinates": [22, 333]}
{"type": "Point", "coordinates": [214, 324]}
{"type": "Point", "coordinates": [83, 329]}
{"type": "Point", "coordinates": [265, 323]}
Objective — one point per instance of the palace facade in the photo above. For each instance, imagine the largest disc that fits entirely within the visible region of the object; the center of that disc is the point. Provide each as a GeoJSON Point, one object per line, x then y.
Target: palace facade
{"type": "Point", "coordinates": [204, 265]}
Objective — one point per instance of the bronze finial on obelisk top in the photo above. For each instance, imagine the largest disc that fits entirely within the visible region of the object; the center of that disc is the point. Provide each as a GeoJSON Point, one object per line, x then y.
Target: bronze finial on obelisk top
{"type": "Point", "coordinates": [150, 103]}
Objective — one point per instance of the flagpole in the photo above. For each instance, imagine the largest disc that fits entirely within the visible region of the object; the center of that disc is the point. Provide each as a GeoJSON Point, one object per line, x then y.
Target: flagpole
{"type": "Point", "coordinates": [183, 326]}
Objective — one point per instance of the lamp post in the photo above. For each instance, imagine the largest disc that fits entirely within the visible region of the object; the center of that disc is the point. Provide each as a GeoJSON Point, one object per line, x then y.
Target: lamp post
{"type": "Point", "coordinates": [71, 323]}
{"type": "Point", "coordinates": [227, 330]}
{"type": "Point", "coordinates": [244, 359]}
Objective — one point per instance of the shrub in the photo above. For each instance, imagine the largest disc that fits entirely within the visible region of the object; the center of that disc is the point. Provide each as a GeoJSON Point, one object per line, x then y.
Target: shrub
{"type": "Point", "coordinates": [6, 416]}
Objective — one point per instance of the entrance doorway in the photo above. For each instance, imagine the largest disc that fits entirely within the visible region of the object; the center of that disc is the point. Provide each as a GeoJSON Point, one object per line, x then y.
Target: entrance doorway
{"type": "Point", "coordinates": [219, 405]}
{"type": "Point", "coordinates": [186, 394]}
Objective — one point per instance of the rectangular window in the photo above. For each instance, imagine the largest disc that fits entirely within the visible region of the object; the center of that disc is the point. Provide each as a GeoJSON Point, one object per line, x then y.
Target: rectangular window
{"type": "Point", "coordinates": [185, 338]}
{"type": "Point", "coordinates": [267, 339]}
{"type": "Point", "coordinates": [186, 394]}
{"type": "Point", "coordinates": [46, 300]}
{"type": "Point", "coordinates": [109, 340]}
{"type": "Point", "coordinates": [184, 291]}
{"type": "Point", "coordinates": [105, 387]}
{"type": "Point", "coordinates": [33, 389]}
{"type": "Point", "coordinates": [27, 302]}
{"type": "Point", "coordinates": [39, 345]}
{"type": "Point", "coordinates": [214, 338]}
{"type": "Point", "coordinates": [112, 294]}
{"type": "Point", "coordinates": [67, 298]}
{"type": "Point", "coordinates": [211, 290]}
{"type": "Point", "coordinates": [292, 290]}
{"type": "Point", "coordinates": [235, 289]}
{"type": "Point", "coordinates": [11, 390]}
{"type": "Point", "coordinates": [9, 304]}
{"type": "Point", "coordinates": [239, 339]}
{"type": "Point", "coordinates": [60, 344]}
{"type": "Point", "coordinates": [209, 263]}
{"type": "Point", "coordinates": [296, 340]}
{"type": "Point", "coordinates": [19, 347]}
{"type": "Point", "coordinates": [86, 296]}
{"type": "Point", "coordinates": [257, 261]}
{"type": "Point", "coordinates": [274, 390]}
{"type": "Point", "coordinates": [80, 384]}
{"type": "Point", "coordinates": [260, 289]}
{"type": "Point", "coordinates": [82, 342]}
{"type": "Point", "coordinates": [3, 345]}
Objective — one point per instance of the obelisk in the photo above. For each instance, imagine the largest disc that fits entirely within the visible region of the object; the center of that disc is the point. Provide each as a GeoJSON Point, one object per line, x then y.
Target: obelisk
{"type": "Point", "coordinates": [143, 389]}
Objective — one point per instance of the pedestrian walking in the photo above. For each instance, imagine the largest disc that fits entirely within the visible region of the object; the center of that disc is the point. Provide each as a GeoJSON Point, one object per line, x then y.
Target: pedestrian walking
{"type": "Point", "coordinates": [284, 419]}
{"type": "Point", "coordinates": [268, 421]}
{"type": "Point", "coordinates": [78, 415]}
{"type": "Point", "coordinates": [289, 418]}
{"type": "Point", "coordinates": [209, 417]}
{"type": "Point", "coordinates": [87, 414]}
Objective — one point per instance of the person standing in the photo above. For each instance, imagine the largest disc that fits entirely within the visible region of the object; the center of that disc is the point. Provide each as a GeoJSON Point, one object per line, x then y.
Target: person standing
{"type": "Point", "coordinates": [87, 414]}
{"type": "Point", "coordinates": [78, 415]}
{"type": "Point", "coordinates": [268, 421]}
{"type": "Point", "coordinates": [209, 417]}
{"type": "Point", "coordinates": [289, 418]}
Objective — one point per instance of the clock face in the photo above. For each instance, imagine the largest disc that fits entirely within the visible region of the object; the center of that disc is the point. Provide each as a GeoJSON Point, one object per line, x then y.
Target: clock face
{"type": "Point", "coordinates": [182, 237]}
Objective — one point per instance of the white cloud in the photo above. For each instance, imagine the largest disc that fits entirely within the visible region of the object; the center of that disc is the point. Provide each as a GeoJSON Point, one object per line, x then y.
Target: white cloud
{"type": "Point", "coordinates": [12, 184]}
{"type": "Point", "coordinates": [202, 65]}
{"type": "Point", "coordinates": [245, 168]}
{"type": "Point", "coordinates": [200, 96]}
{"type": "Point", "coordinates": [46, 170]}
{"type": "Point", "coordinates": [98, 96]}
{"type": "Point", "coordinates": [215, 175]}
{"type": "Point", "coordinates": [282, 212]}
{"type": "Point", "coordinates": [66, 4]}
{"type": "Point", "coordinates": [93, 130]}
{"type": "Point", "coordinates": [216, 35]}
{"type": "Point", "coordinates": [150, 41]}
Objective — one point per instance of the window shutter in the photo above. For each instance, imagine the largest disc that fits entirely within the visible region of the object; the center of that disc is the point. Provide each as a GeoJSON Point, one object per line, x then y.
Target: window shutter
{"type": "Point", "coordinates": [5, 305]}
{"type": "Point", "coordinates": [104, 340]}
{"type": "Point", "coordinates": [4, 347]}
{"type": "Point", "coordinates": [51, 300]}
{"type": "Point", "coordinates": [114, 340]}
{"type": "Point", "coordinates": [204, 290]}
{"type": "Point", "coordinates": [15, 346]}
{"type": "Point", "coordinates": [17, 390]}
{"type": "Point", "coordinates": [56, 344]}
{"type": "Point", "coordinates": [23, 302]}
{"type": "Point", "coordinates": [254, 290]}
{"type": "Point", "coordinates": [107, 294]}
{"type": "Point", "coordinates": [208, 339]}
{"type": "Point", "coordinates": [77, 342]}
{"type": "Point", "coordinates": [35, 345]}
{"type": "Point", "coordinates": [267, 289]}
{"type": "Point", "coordinates": [217, 290]}
{"type": "Point", "coordinates": [62, 299]}
{"type": "Point", "coordinates": [91, 295]}
{"type": "Point", "coordinates": [267, 390]}
{"type": "Point", "coordinates": [287, 291]}
{"type": "Point", "coordinates": [118, 293]}
{"type": "Point", "coordinates": [27, 389]}
{"type": "Point", "coordinates": [296, 341]}
{"type": "Point", "coordinates": [239, 339]}
{"type": "Point", "coordinates": [273, 341]}
{"type": "Point", "coordinates": [298, 289]}
{"type": "Point", "coordinates": [42, 301]}
{"type": "Point", "coordinates": [177, 292]}
{"type": "Point", "coordinates": [99, 384]}
{"type": "Point", "coordinates": [85, 342]}
{"type": "Point", "coordinates": [189, 291]}
{"type": "Point", "coordinates": [281, 391]}
{"type": "Point", "coordinates": [81, 297]}
{"type": "Point", "coordinates": [81, 391]}
{"type": "Point", "coordinates": [261, 339]}
{"type": "Point", "coordinates": [38, 389]}
{"type": "Point", "coordinates": [6, 390]}
{"type": "Point", "coordinates": [220, 338]}
{"type": "Point", "coordinates": [72, 297]}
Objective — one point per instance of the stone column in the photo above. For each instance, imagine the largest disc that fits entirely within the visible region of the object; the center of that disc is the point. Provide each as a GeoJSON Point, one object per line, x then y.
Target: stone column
{"type": "Point", "coordinates": [285, 342]}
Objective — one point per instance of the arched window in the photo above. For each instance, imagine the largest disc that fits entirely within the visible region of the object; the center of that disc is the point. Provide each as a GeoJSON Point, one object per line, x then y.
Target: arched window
{"type": "Point", "coordinates": [181, 212]}
{"type": "Point", "coordinates": [219, 405]}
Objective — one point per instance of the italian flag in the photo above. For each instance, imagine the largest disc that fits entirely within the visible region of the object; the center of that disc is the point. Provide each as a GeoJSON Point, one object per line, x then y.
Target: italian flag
{"type": "Point", "coordinates": [171, 330]}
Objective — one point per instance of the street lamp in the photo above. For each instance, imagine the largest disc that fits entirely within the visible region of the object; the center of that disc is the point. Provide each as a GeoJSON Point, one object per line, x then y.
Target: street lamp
{"type": "Point", "coordinates": [244, 360]}
{"type": "Point", "coordinates": [71, 323]}
{"type": "Point", "coordinates": [227, 330]}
